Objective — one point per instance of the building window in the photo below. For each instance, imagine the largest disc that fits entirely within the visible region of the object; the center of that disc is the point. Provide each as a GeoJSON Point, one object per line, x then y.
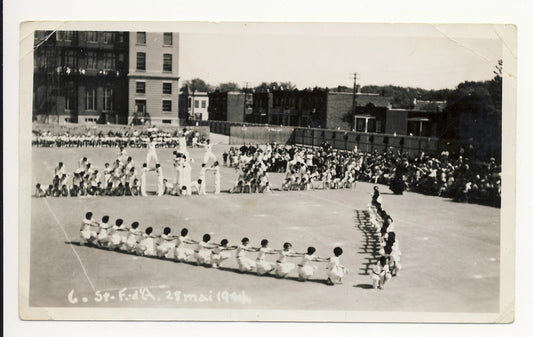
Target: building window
{"type": "Point", "coordinates": [140, 107]}
{"type": "Point", "coordinates": [167, 121]}
{"type": "Point", "coordinates": [90, 99]}
{"type": "Point", "coordinates": [141, 61]}
{"type": "Point", "coordinates": [167, 105]}
{"type": "Point", "coordinates": [140, 87]}
{"type": "Point", "coordinates": [70, 58]}
{"type": "Point", "coordinates": [196, 104]}
{"type": "Point", "coordinates": [203, 104]}
{"type": "Point", "coordinates": [109, 61]}
{"type": "Point", "coordinates": [69, 97]}
{"type": "Point", "coordinates": [167, 88]}
{"type": "Point", "coordinates": [66, 35]}
{"type": "Point", "coordinates": [379, 126]}
{"type": "Point", "coordinates": [92, 60]}
{"type": "Point", "coordinates": [360, 125]}
{"type": "Point", "coordinates": [167, 62]}
{"type": "Point", "coordinates": [167, 39]}
{"type": "Point", "coordinates": [108, 37]}
{"type": "Point", "coordinates": [141, 37]}
{"type": "Point", "coordinates": [108, 99]}
{"type": "Point", "coordinates": [189, 102]}
{"type": "Point", "coordinates": [92, 36]}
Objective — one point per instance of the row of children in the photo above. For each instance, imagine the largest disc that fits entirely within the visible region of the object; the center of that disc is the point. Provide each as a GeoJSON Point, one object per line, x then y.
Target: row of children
{"type": "Point", "coordinates": [130, 138]}
{"type": "Point", "coordinates": [388, 264]}
{"type": "Point", "coordinates": [204, 252]}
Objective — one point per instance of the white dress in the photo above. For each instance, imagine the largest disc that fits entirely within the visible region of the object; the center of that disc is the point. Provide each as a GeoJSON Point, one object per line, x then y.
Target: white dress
{"type": "Point", "coordinates": [146, 246]}
{"type": "Point", "coordinates": [182, 252]}
{"type": "Point", "coordinates": [201, 254]}
{"type": "Point", "coordinates": [217, 256]}
{"type": "Point", "coordinates": [245, 264]}
{"type": "Point", "coordinates": [103, 235]}
{"type": "Point", "coordinates": [306, 269]}
{"type": "Point", "coordinates": [166, 245]}
{"type": "Point", "coordinates": [335, 271]}
{"type": "Point", "coordinates": [133, 238]}
{"type": "Point", "coordinates": [283, 267]}
{"type": "Point", "coordinates": [263, 266]}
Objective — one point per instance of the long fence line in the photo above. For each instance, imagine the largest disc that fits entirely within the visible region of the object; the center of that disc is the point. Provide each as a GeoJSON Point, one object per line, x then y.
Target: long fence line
{"type": "Point", "coordinates": [248, 133]}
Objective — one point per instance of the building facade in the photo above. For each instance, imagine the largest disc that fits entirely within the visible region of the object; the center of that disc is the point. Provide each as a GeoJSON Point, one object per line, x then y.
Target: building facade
{"type": "Point", "coordinates": [153, 77]}
{"type": "Point", "coordinates": [231, 106]}
{"type": "Point", "coordinates": [193, 105]}
{"type": "Point", "coordinates": [80, 77]}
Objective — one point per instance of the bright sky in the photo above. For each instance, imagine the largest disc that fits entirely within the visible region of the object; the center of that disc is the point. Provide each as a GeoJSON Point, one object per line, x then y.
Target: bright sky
{"type": "Point", "coordinates": [428, 58]}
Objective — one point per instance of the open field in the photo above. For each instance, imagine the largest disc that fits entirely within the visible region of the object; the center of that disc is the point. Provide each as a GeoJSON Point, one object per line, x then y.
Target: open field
{"type": "Point", "coordinates": [450, 251]}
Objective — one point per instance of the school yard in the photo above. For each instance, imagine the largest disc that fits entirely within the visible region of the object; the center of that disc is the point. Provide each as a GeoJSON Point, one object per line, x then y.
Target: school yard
{"type": "Point", "coordinates": [450, 251]}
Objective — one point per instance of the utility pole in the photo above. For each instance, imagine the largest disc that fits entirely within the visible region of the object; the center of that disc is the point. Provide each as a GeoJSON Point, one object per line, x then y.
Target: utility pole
{"type": "Point", "coordinates": [354, 103]}
{"type": "Point", "coordinates": [244, 103]}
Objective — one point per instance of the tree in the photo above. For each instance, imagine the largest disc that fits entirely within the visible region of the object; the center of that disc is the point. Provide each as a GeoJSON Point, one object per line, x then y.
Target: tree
{"type": "Point", "coordinates": [228, 86]}
{"type": "Point", "coordinates": [197, 84]}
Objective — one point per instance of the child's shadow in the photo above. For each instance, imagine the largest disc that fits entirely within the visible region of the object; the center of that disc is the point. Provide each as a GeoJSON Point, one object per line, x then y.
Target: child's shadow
{"type": "Point", "coordinates": [364, 286]}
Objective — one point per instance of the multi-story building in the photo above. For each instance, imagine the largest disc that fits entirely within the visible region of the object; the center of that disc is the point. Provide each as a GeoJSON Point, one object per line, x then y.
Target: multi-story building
{"type": "Point", "coordinates": [231, 106]}
{"type": "Point", "coordinates": [80, 77]}
{"type": "Point", "coordinates": [320, 108]}
{"type": "Point", "coordinates": [153, 77]}
{"type": "Point", "coordinates": [193, 105]}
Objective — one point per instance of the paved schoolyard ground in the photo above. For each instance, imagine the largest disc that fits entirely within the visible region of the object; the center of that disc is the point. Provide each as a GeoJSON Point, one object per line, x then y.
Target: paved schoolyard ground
{"type": "Point", "coordinates": [450, 251]}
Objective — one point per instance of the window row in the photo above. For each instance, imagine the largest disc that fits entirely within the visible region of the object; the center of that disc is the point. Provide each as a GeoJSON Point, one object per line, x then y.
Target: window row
{"type": "Point", "coordinates": [140, 106]}
{"type": "Point", "coordinates": [167, 38]}
{"type": "Point", "coordinates": [92, 36]}
{"type": "Point", "coordinates": [197, 103]}
{"type": "Point", "coordinates": [90, 99]}
{"type": "Point", "coordinates": [140, 88]}
{"type": "Point", "coordinates": [141, 61]}
{"type": "Point", "coordinates": [88, 60]}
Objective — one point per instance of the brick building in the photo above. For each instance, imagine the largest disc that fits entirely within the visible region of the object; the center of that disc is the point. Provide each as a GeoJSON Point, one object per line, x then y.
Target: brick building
{"type": "Point", "coordinates": [153, 77]}
{"type": "Point", "coordinates": [80, 77]}
{"type": "Point", "coordinates": [231, 106]}
{"type": "Point", "coordinates": [322, 108]}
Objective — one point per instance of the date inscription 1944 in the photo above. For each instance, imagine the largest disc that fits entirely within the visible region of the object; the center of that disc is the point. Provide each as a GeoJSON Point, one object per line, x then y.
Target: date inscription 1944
{"type": "Point", "coordinates": [158, 294]}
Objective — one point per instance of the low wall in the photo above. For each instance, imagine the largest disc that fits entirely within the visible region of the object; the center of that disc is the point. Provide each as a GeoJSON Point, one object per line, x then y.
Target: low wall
{"type": "Point", "coordinates": [368, 142]}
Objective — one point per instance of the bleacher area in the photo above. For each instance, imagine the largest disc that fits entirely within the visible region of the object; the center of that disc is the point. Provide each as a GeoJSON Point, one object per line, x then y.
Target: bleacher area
{"type": "Point", "coordinates": [450, 251]}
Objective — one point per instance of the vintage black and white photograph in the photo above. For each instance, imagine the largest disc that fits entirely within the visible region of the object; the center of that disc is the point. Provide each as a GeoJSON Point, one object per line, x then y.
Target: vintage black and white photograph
{"type": "Point", "coordinates": [267, 172]}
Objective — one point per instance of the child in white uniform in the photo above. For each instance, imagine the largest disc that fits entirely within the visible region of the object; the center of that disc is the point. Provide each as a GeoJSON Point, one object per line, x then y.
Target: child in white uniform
{"type": "Point", "coordinates": [166, 245]}
{"type": "Point", "coordinates": [182, 252]}
{"type": "Point", "coordinates": [380, 273]}
{"type": "Point", "coordinates": [208, 151]}
{"type": "Point", "coordinates": [151, 155]}
{"type": "Point", "coordinates": [143, 179]}
{"type": "Point", "coordinates": [146, 246]}
{"type": "Point", "coordinates": [133, 237]}
{"type": "Point", "coordinates": [202, 252]}
{"type": "Point", "coordinates": [160, 180]}
{"type": "Point", "coordinates": [305, 268]}
{"type": "Point", "coordinates": [219, 254]}
{"type": "Point", "coordinates": [88, 230]}
{"type": "Point", "coordinates": [262, 265]}
{"type": "Point", "coordinates": [335, 270]}
{"type": "Point", "coordinates": [284, 267]}
{"type": "Point", "coordinates": [245, 264]}
{"type": "Point", "coordinates": [117, 235]}
{"type": "Point", "coordinates": [103, 233]}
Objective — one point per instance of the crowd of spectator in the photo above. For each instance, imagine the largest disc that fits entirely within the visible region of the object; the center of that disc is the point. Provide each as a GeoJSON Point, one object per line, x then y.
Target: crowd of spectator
{"type": "Point", "coordinates": [122, 138]}
{"type": "Point", "coordinates": [448, 175]}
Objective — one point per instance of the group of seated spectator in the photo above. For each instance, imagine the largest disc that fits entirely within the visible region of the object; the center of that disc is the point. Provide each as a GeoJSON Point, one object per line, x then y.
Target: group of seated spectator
{"type": "Point", "coordinates": [125, 138]}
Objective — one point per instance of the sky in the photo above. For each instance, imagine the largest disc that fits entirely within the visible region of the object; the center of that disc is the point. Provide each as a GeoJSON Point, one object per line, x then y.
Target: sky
{"type": "Point", "coordinates": [329, 57]}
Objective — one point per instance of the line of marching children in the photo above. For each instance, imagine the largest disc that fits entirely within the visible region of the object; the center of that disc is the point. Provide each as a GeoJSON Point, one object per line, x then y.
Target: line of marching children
{"type": "Point", "coordinates": [388, 264]}
{"type": "Point", "coordinates": [181, 248]}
